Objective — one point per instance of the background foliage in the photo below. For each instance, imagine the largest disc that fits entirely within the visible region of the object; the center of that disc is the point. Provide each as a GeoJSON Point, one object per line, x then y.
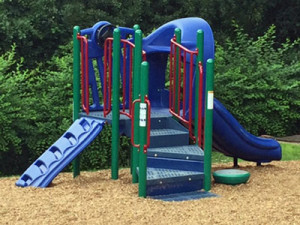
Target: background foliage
{"type": "Point", "coordinates": [262, 82]}
{"type": "Point", "coordinates": [38, 27]}
{"type": "Point", "coordinates": [257, 67]}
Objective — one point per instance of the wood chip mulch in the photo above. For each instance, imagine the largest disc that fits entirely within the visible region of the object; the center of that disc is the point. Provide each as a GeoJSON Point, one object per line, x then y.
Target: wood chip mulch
{"type": "Point", "coordinates": [271, 196]}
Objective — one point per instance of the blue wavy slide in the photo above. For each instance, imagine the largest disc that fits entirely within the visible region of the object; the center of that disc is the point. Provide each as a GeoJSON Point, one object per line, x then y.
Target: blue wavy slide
{"type": "Point", "coordinates": [230, 138]}
{"type": "Point", "coordinates": [61, 153]}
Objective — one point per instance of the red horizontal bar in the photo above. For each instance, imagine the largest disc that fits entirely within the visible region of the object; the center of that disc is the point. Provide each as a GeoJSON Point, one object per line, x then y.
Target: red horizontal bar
{"type": "Point", "coordinates": [183, 48]}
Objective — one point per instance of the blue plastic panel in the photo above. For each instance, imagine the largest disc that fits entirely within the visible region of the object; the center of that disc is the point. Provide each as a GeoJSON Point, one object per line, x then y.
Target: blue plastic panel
{"type": "Point", "coordinates": [61, 153]}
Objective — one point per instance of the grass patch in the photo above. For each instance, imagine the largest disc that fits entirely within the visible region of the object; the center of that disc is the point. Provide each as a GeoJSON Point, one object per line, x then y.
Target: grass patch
{"type": "Point", "coordinates": [218, 157]}
{"type": "Point", "coordinates": [290, 151]}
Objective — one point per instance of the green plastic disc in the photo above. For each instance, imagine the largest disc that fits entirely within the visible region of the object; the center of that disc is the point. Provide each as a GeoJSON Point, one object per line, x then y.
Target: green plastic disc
{"type": "Point", "coordinates": [231, 176]}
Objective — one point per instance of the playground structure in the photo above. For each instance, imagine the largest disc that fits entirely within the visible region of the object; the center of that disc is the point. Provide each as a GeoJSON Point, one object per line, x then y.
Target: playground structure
{"type": "Point", "coordinates": [161, 121]}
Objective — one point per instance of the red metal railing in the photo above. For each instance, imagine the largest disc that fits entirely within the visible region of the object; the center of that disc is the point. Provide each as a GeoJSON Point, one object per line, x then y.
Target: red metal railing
{"type": "Point", "coordinates": [84, 73]}
{"type": "Point", "coordinates": [184, 96]}
{"type": "Point", "coordinates": [127, 53]}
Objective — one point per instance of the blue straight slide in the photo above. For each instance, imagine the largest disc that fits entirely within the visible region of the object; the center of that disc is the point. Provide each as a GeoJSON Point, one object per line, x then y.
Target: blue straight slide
{"type": "Point", "coordinates": [61, 153]}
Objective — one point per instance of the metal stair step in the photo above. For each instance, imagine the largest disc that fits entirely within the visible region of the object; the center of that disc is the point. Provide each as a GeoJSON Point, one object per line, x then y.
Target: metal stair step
{"type": "Point", "coordinates": [186, 196]}
{"type": "Point", "coordinates": [160, 176]}
{"type": "Point", "coordinates": [187, 152]}
{"type": "Point", "coordinates": [175, 164]}
{"type": "Point", "coordinates": [166, 181]}
{"type": "Point", "coordinates": [162, 132]}
{"type": "Point", "coordinates": [168, 137]}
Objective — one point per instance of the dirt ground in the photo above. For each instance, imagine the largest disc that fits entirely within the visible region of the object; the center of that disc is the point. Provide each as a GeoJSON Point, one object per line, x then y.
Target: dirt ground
{"type": "Point", "coordinates": [271, 196]}
{"type": "Point", "coordinates": [292, 139]}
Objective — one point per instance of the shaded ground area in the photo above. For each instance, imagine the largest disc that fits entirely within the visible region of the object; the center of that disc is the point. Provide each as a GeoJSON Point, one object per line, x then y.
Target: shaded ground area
{"type": "Point", "coordinates": [272, 196]}
{"type": "Point", "coordinates": [292, 139]}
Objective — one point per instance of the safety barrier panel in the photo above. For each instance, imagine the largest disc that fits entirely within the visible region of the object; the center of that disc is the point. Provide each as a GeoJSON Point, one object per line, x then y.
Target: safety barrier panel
{"type": "Point", "coordinates": [182, 70]}
{"type": "Point", "coordinates": [127, 73]}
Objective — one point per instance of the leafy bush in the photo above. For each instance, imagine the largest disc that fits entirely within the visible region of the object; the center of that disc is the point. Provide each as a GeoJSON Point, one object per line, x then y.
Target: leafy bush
{"type": "Point", "coordinates": [259, 83]}
{"type": "Point", "coordinates": [34, 112]}
{"type": "Point", "coordinates": [98, 154]}
{"type": "Point", "coordinates": [10, 142]}
{"type": "Point", "coordinates": [36, 109]}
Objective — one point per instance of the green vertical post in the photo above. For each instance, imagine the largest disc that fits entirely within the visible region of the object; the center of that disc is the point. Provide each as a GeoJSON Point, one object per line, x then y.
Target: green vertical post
{"type": "Point", "coordinates": [177, 85]}
{"type": "Point", "coordinates": [136, 91]}
{"type": "Point", "coordinates": [143, 130]}
{"type": "Point", "coordinates": [208, 123]}
{"type": "Point", "coordinates": [115, 106]}
{"type": "Point", "coordinates": [76, 90]}
{"type": "Point", "coordinates": [200, 47]}
{"type": "Point", "coordinates": [135, 27]}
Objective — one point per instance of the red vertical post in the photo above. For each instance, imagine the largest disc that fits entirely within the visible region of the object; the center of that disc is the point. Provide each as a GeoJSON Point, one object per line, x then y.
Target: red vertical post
{"type": "Point", "coordinates": [130, 78]}
{"type": "Point", "coordinates": [174, 77]}
{"type": "Point", "coordinates": [184, 85]}
{"type": "Point", "coordinates": [200, 123]}
{"type": "Point", "coordinates": [82, 70]}
{"type": "Point", "coordinates": [124, 76]}
{"type": "Point", "coordinates": [191, 92]}
{"type": "Point", "coordinates": [171, 76]}
{"type": "Point", "coordinates": [105, 79]}
{"type": "Point", "coordinates": [179, 80]}
{"type": "Point", "coordinates": [109, 74]}
{"type": "Point", "coordinates": [87, 97]}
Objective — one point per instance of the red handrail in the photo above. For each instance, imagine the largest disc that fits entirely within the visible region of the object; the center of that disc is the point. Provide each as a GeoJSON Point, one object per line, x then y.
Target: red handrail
{"type": "Point", "coordinates": [146, 146]}
{"type": "Point", "coordinates": [107, 87]}
{"type": "Point", "coordinates": [175, 49]}
{"type": "Point", "coordinates": [84, 73]}
{"type": "Point", "coordinates": [200, 108]}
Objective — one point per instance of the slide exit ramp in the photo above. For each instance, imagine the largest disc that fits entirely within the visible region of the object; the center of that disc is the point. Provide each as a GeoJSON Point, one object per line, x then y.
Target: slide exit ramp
{"type": "Point", "coordinates": [61, 153]}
